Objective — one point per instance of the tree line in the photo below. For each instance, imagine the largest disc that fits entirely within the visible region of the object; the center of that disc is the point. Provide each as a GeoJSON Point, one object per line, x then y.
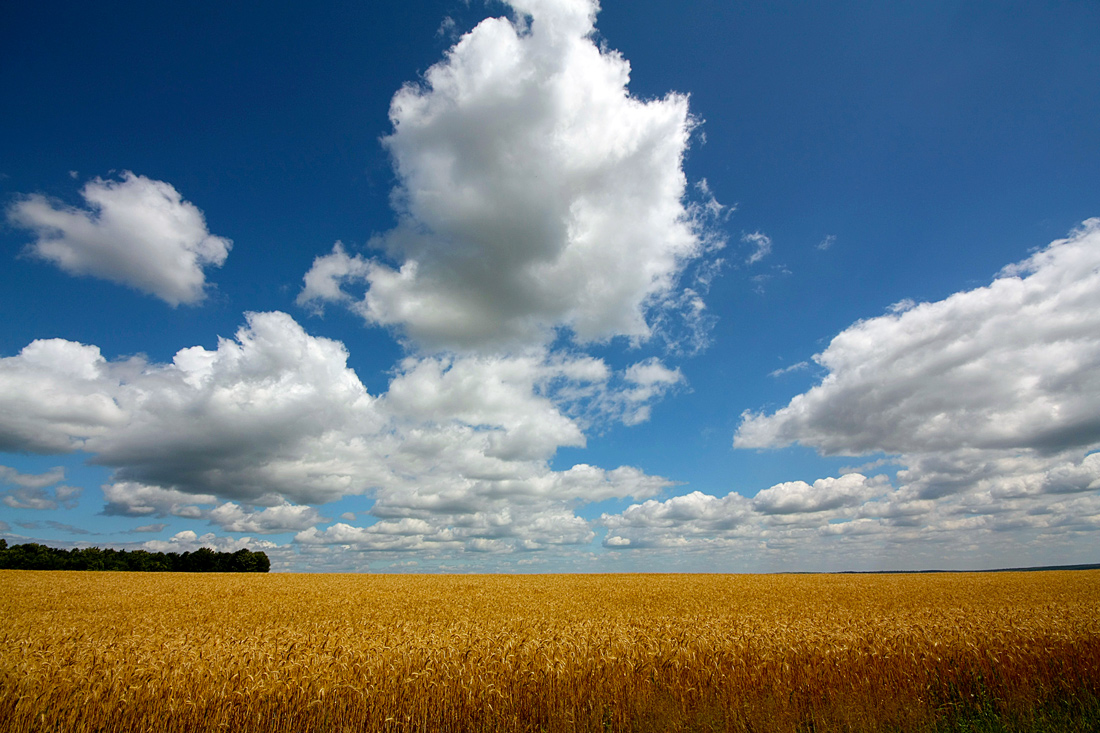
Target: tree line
{"type": "Point", "coordinates": [33, 556]}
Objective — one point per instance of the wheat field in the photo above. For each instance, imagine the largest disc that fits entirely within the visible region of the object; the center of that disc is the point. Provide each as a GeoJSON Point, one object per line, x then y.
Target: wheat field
{"type": "Point", "coordinates": [94, 651]}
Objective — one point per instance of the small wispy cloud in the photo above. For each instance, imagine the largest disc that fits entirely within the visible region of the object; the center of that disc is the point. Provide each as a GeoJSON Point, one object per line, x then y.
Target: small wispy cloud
{"type": "Point", "coordinates": [827, 242]}
{"type": "Point", "coordinates": [33, 497]}
{"type": "Point", "coordinates": [800, 366]}
{"type": "Point", "coordinates": [710, 203]}
{"type": "Point", "coordinates": [906, 304]}
{"type": "Point", "coordinates": [762, 246]}
{"type": "Point", "coordinates": [68, 528]}
{"type": "Point", "coordinates": [159, 527]}
{"type": "Point", "coordinates": [447, 28]}
{"type": "Point", "coordinates": [32, 480]}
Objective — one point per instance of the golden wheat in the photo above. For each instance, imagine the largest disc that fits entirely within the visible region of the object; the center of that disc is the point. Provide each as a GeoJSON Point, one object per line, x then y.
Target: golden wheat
{"type": "Point", "coordinates": [181, 652]}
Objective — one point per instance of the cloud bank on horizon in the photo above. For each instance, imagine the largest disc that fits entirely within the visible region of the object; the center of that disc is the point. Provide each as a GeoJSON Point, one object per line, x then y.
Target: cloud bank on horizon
{"type": "Point", "coordinates": [990, 399]}
{"type": "Point", "coordinates": [549, 266]}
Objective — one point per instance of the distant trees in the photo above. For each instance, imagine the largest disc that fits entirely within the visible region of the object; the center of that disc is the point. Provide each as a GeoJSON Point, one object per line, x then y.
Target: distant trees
{"type": "Point", "coordinates": [33, 556]}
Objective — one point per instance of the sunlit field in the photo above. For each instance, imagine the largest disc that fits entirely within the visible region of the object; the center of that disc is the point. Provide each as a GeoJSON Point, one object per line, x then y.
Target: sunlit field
{"type": "Point", "coordinates": [98, 651]}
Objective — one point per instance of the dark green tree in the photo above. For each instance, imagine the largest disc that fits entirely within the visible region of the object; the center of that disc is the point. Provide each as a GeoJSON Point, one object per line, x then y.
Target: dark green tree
{"type": "Point", "coordinates": [33, 556]}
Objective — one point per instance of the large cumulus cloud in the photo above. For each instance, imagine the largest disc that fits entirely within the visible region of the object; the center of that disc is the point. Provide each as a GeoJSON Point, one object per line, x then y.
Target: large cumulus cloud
{"type": "Point", "coordinates": [55, 395]}
{"type": "Point", "coordinates": [1012, 365]}
{"type": "Point", "coordinates": [992, 392]}
{"type": "Point", "coordinates": [534, 192]}
{"type": "Point", "coordinates": [988, 402]}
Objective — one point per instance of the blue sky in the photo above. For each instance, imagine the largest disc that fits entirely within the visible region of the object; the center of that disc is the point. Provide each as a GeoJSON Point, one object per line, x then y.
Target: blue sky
{"type": "Point", "coordinates": [545, 286]}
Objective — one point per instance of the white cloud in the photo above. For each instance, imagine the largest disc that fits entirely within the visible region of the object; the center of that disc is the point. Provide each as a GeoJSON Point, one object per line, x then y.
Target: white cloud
{"type": "Point", "coordinates": [648, 381]}
{"type": "Point", "coordinates": [53, 396]}
{"type": "Point", "coordinates": [32, 480]}
{"type": "Point", "coordinates": [680, 521]}
{"type": "Point", "coordinates": [794, 497]}
{"type": "Point", "coordinates": [788, 369]}
{"type": "Point", "coordinates": [275, 422]}
{"type": "Point", "coordinates": [159, 527]}
{"type": "Point", "coordinates": [285, 517]}
{"type": "Point", "coordinates": [325, 280]}
{"type": "Point", "coordinates": [527, 405]}
{"type": "Point", "coordinates": [266, 416]}
{"type": "Point", "coordinates": [498, 393]}
{"type": "Point", "coordinates": [990, 402]}
{"type": "Point", "coordinates": [854, 522]}
{"type": "Point", "coordinates": [762, 246]}
{"type": "Point", "coordinates": [1001, 474]}
{"type": "Point", "coordinates": [38, 497]}
{"type": "Point", "coordinates": [404, 535]}
{"type": "Point", "coordinates": [535, 198]}
{"type": "Point", "coordinates": [534, 193]}
{"type": "Point", "coordinates": [1014, 365]}
{"type": "Point", "coordinates": [446, 28]}
{"type": "Point", "coordinates": [135, 231]}
{"type": "Point", "coordinates": [498, 527]}
{"type": "Point", "coordinates": [132, 499]}
{"type": "Point", "coordinates": [188, 541]}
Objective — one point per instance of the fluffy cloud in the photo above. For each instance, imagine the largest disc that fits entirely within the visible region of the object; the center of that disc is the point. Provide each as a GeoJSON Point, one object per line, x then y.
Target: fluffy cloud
{"type": "Point", "coordinates": [266, 416]}
{"type": "Point", "coordinates": [857, 522]}
{"type": "Point", "coordinates": [132, 499]}
{"type": "Point", "coordinates": [990, 399]}
{"type": "Point", "coordinates": [272, 414]}
{"type": "Point", "coordinates": [135, 231]}
{"type": "Point", "coordinates": [534, 193]}
{"type": "Point", "coordinates": [499, 527]}
{"type": "Point", "coordinates": [649, 380]}
{"type": "Point", "coordinates": [529, 404]}
{"type": "Point", "coordinates": [506, 395]}
{"type": "Point", "coordinates": [795, 497]}
{"type": "Point", "coordinates": [285, 517]}
{"type": "Point", "coordinates": [54, 395]}
{"type": "Point", "coordinates": [698, 520]}
{"type": "Point", "coordinates": [1000, 474]}
{"type": "Point", "coordinates": [695, 514]}
{"type": "Point", "coordinates": [1014, 365]}
{"type": "Point", "coordinates": [188, 541]}
{"type": "Point", "coordinates": [275, 422]}
{"type": "Point", "coordinates": [403, 535]}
